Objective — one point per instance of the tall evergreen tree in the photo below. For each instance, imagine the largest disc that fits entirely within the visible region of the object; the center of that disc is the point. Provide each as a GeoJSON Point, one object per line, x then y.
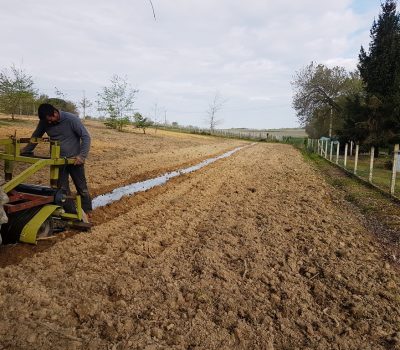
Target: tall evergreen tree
{"type": "Point", "coordinates": [380, 71]}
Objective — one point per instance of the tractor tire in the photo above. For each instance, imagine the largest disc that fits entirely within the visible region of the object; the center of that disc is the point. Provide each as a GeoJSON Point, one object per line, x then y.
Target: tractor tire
{"type": "Point", "coordinates": [11, 231]}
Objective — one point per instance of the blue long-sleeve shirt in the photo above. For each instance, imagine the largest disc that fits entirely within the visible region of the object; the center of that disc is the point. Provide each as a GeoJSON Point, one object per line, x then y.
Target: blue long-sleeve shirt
{"type": "Point", "coordinates": [70, 132]}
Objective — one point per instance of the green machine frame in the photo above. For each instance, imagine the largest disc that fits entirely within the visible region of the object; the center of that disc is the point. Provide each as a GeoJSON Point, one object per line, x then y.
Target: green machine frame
{"type": "Point", "coordinates": [21, 201]}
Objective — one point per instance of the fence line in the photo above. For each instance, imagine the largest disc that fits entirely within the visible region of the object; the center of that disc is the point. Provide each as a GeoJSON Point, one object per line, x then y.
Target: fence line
{"type": "Point", "coordinates": [379, 170]}
{"type": "Point", "coordinates": [246, 135]}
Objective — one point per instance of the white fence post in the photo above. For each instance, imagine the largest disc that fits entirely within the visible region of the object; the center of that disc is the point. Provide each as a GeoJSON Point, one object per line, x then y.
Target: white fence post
{"type": "Point", "coordinates": [356, 158]}
{"type": "Point", "coordinates": [345, 154]}
{"type": "Point", "coordinates": [326, 149]}
{"type": "Point", "coordinates": [331, 153]}
{"type": "Point", "coordinates": [394, 172]}
{"type": "Point", "coordinates": [351, 148]}
{"type": "Point", "coordinates": [337, 152]}
{"type": "Point", "coordinates": [371, 164]}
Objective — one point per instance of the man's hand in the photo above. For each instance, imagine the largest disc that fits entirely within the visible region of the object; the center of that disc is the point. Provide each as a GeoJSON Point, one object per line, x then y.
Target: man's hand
{"type": "Point", "coordinates": [79, 160]}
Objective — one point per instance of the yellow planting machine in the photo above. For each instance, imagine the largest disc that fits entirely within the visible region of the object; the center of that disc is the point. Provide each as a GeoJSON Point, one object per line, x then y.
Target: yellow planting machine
{"type": "Point", "coordinates": [32, 210]}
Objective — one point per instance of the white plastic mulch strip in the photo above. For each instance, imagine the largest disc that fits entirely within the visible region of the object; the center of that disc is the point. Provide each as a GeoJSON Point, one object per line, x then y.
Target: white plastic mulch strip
{"type": "Point", "coordinates": [142, 186]}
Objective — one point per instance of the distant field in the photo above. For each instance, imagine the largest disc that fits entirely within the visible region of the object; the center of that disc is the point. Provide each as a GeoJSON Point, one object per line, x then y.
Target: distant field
{"type": "Point", "coordinates": [293, 132]}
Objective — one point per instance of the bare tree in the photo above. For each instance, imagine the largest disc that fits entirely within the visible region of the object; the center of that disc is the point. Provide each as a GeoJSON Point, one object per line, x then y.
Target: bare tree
{"type": "Point", "coordinates": [156, 121]}
{"type": "Point", "coordinates": [214, 107]}
{"type": "Point", "coordinates": [59, 93]}
{"type": "Point", "coordinates": [85, 103]}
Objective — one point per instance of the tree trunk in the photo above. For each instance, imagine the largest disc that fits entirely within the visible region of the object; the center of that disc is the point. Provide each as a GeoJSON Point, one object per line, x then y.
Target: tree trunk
{"type": "Point", "coordinates": [376, 155]}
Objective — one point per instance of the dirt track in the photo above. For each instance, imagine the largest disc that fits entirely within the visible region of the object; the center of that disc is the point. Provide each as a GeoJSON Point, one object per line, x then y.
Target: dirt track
{"type": "Point", "coordinates": [252, 252]}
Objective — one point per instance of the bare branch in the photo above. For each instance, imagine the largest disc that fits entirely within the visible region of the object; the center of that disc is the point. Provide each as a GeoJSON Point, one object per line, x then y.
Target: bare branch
{"type": "Point", "coordinates": [152, 7]}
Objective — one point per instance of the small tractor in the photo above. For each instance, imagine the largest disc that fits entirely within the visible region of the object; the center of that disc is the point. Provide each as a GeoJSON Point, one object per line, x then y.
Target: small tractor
{"type": "Point", "coordinates": [36, 211]}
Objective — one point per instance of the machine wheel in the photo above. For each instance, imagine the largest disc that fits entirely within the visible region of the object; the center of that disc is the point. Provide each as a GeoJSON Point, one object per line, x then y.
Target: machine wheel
{"type": "Point", "coordinates": [47, 228]}
{"type": "Point", "coordinates": [11, 231]}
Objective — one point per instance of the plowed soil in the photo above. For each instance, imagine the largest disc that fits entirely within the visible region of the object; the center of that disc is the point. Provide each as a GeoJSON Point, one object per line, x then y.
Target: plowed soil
{"type": "Point", "coordinates": [255, 251]}
{"type": "Point", "coordinates": [118, 159]}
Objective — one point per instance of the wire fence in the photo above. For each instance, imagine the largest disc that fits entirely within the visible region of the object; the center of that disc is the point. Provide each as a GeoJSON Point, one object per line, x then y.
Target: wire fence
{"type": "Point", "coordinates": [379, 168]}
{"type": "Point", "coordinates": [237, 134]}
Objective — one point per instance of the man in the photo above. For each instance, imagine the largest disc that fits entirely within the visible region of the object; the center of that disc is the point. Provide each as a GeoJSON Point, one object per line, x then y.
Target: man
{"type": "Point", "coordinates": [74, 143]}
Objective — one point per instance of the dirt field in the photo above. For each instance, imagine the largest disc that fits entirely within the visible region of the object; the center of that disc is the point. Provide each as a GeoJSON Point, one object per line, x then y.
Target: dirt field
{"type": "Point", "coordinates": [255, 251]}
{"type": "Point", "coordinates": [122, 158]}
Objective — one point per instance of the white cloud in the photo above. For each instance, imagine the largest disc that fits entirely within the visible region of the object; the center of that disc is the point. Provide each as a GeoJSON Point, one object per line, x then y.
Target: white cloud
{"type": "Point", "coordinates": [260, 98]}
{"type": "Point", "coordinates": [247, 50]}
{"type": "Point", "coordinates": [349, 63]}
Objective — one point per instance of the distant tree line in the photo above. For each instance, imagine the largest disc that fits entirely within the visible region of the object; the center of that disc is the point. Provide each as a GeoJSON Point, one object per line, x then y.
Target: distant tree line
{"type": "Point", "coordinates": [18, 96]}
{"type": "Point", "coordinates": [364, 105]}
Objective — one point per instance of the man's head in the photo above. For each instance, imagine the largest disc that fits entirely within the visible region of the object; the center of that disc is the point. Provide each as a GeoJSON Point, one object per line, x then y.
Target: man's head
{"type": "Point", "coordinates": [49, 113]}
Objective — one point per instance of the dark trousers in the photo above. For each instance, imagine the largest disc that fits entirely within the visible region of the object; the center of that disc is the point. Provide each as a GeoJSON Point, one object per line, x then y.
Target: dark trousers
{"type": "Point", "coordinates": [77, 173]}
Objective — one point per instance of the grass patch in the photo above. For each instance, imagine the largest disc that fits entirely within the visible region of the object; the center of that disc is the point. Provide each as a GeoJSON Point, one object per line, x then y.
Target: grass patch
{"type": "Point", "coordinates": [382, 174]}
{"type": "Point", "coordinates": [338, 183]}
{"type": "Point", "coordinates": [369, 200]}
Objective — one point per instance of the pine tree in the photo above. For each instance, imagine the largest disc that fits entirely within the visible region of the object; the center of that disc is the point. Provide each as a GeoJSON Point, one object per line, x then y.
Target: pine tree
{"type": "Point", "coordinates": [380, 71]}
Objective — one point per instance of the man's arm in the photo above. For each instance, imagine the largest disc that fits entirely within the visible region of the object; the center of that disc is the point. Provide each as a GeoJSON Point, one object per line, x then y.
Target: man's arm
{"type": "Point", "coordinates": [39, 132]}
{"type": "Point", "coordinates": [84, 136]}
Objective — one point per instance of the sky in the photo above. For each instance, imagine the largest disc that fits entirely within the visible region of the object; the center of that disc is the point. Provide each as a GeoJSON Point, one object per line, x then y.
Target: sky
{"type": "Point", "coordinates": [246, 51]}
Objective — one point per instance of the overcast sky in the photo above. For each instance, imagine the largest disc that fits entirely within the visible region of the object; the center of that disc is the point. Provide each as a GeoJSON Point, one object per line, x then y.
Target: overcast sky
{"type": "Point", "coordinates": [247, 50]}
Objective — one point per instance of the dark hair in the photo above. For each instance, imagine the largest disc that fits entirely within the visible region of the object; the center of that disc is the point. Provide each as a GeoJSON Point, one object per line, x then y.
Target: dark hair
{"type": "Point", "coordinates": [45, 110]}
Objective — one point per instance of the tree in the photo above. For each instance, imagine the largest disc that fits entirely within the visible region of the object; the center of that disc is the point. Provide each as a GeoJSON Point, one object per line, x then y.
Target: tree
{"type": "Point", "coordinates": [317, 87]}
{"type": "Point", "coordinates": [142, 122]}
{"type": "Point", "coordinates": [64, 105]}
{"type": "Point", "coordinates": [320, 89]}
{"type": "Point", "coordinates": [60, 102]}
{"type": "Point", "coordinates": [380, 71]}
{"type": "Point", "coordinates": [85, 103]}
{"type": "Point", "coordinates": [214, 107]}
{"type": "Point", "coordinates": [117, 123]}
{"type": "Point", "coordinates": [15, 87]}
{"type": "Point", "coordinates": [59, 93]}
{"type": "Point", "coordinates": [319, 125]}
{"type": "Point", "coordinates": [355, 114]}
{"type": "Point", "coordinates": [116, 100]}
